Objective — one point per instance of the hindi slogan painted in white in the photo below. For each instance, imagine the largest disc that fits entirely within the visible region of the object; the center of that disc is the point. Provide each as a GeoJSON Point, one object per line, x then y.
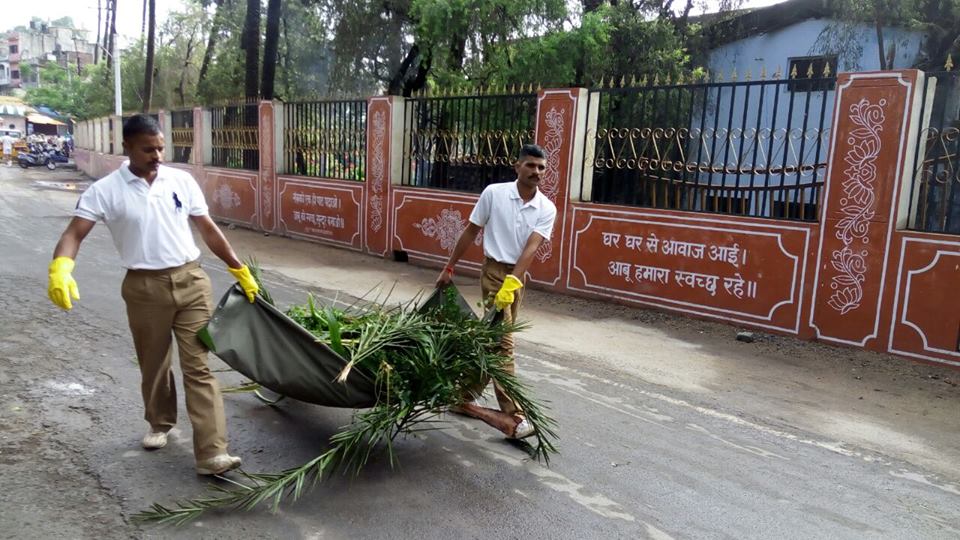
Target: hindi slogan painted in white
{"type": "Point", "coordinates": [320, 201]}
{"type": "Point", "coordinates": [314, 215]}
{"type": "Point", "coordinates": [733, 255]}
{"type": "Point", "coordinates": [332, 222]}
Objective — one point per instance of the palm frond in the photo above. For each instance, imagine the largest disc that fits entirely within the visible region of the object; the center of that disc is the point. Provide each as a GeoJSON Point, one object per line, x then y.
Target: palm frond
{"type": "Point", "coordinates": [257, 272]}
{"type": "Point", "coordinates": [245, 387]}
{"type": "Point", "coordinates": [422, 364]}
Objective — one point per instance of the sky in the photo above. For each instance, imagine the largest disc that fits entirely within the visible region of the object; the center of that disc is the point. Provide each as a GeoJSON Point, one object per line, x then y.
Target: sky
{"type": "Point", "coordinates": [129, 13]}
{"type": "Point", "coordinates": [83, 12]}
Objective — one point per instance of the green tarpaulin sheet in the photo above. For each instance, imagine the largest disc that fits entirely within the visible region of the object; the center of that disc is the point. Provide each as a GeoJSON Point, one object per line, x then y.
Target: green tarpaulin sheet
{"type": "Point", "coordinates": [269, 348]}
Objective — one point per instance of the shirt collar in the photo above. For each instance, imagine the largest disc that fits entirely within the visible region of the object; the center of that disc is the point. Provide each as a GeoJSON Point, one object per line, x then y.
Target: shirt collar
{"type": "Point", "coordinates": [128, 175]}
{"type": "Point", "coordinates": [515, 194]}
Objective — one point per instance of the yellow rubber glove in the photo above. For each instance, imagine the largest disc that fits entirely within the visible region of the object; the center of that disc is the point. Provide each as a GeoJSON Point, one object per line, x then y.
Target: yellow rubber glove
{"type": "Point", "coordinates": [62, 286]}
{"type": "Point", "coordinates": [247, 283]}
{"type": "Point", "coordinates": [505, 295]}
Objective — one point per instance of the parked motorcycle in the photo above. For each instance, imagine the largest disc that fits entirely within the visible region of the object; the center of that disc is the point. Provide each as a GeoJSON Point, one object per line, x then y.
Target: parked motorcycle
{"type": "Point", "coordinates": [39, 156]}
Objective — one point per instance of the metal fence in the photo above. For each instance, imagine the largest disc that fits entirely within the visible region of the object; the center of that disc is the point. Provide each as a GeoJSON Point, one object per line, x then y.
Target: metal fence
{"type": "Point", "coordinates": [326, 139]}
{"type": "Point", "coordinates": [464, 143]}
{"type": "Point", "coordinates": [935, 191]}
{"type": "Point", "coordinates": [235, 136]}
{"type": "Point", "coordinates": [182, 135]}
{"type": "Point", "coordinates": [751, 148]}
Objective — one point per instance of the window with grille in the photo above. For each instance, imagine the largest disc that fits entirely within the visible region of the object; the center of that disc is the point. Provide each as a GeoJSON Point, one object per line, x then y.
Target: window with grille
{"type": "Point", "coordinates": [811, 73]}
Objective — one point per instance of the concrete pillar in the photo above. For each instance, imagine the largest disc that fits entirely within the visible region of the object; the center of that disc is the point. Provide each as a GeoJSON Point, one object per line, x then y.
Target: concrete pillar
{"type": "Point", "coordinates": [166, 127]}
{"type": "Point", "coordinates": [117, 135]}
{"type": "Point", "coordinates": [268, 166]}
{"type": "Point", "coordinates": [384, 164]}
{"type": "Point", "coordinates": [581, 189]}
{"type": "Point", "coordinates": [196, 152]}
{"type": "Point", "coordinates": [561, 125]}
{"type": "Point", "coordinates": [279, 139]}
{"type": "Point", "coordinates": [202, 136]}
{"type": "Point", "coordinates": [105, 136]}
{"type": "Point", "coordinates": [874, 136]}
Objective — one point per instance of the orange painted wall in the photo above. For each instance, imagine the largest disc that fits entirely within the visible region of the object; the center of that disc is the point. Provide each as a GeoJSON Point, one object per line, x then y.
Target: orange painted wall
{"type": "Point", "coordinates": [852, 279]}
{"type": "Point", "coordinates": [426, 224]}
{"type": "Point", "coordinates": [751, 272]}
{"type": "Point", "coordinates": [925, 298]}
{"type": "Point", "coordinates": [322, 210]}
{"type": "Point", "coordinates": [232, 195]}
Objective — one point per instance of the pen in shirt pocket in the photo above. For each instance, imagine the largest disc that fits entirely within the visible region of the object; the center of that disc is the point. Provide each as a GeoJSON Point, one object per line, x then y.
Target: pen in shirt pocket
{"type": "Point", "coordinates": [176, 202]}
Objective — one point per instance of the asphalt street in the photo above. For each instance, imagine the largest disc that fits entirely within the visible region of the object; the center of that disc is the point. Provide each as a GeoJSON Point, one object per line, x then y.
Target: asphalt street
{"type": "Point", "coordinates": [638, 459]}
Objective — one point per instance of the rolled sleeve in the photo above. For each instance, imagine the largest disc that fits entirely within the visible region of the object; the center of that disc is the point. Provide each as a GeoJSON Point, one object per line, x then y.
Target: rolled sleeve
{"type": "Point", "coordinates": [90, 205]}
{"type": "Point", "coordinates": [544, 226]}
{"type": "Point", "coordinates": [481, 212]}
{"type": "Point", "coordinates": [198, 203]}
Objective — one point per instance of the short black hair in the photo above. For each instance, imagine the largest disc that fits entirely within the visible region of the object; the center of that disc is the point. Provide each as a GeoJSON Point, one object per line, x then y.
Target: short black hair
{"type": "Point", "coordinates": [532, 150]}
{"type": "Point", "coordinates": [139, 124]}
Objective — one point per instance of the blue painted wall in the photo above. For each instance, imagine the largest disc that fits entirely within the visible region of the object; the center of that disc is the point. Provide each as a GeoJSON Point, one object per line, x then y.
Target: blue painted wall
{"type": "Point", "coordinates": [856, 47]}
{"type": "Point", "coordinates": [771, 126]}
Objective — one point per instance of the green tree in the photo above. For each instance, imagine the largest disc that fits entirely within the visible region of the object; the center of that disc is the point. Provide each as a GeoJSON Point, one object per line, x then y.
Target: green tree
{"type": "Point", "coordinates": [149, 64]}
{"type": "Point", "coordinates": [250, 43]}
{"type": "Point", "coordinates": [65, 94]}
{"type": "Point", "coordinates": [938, 20]}
{"type": "Point", "coordinates": [270, 48]}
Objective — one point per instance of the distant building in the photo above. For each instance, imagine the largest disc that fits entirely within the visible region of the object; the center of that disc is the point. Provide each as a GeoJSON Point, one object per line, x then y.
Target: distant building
{"type": "Point", "coordinates": [798, 36]}
{"type": "Point", "coordinates": [13, 114]}
{"type": "Point", "coordinates": [779, 134]}
{"type": "Point", "coordinates": [40, 44]}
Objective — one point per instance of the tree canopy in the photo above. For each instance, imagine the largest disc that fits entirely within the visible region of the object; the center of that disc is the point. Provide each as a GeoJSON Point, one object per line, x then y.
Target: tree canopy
{"type": "Point", "coordinates": [217, 50]}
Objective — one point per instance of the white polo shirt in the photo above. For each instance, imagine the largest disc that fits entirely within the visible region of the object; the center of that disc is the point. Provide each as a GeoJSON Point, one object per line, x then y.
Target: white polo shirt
{"type": "Point", "coordinates": [508, 222]}
{"type": "Point", "coordinates": [150, 223]}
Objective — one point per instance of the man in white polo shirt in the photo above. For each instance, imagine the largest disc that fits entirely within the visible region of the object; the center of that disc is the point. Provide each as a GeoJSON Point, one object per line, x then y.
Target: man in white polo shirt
{"type": "Point", "coordinates": [148, 209]}
{"type": "Point", "coordinates": [515, 218]}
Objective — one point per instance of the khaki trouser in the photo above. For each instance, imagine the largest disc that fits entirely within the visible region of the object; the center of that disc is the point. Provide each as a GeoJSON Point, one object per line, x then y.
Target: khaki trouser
{"type": "Point", "coordinates": [491, 279]}
{"type": "Point", "coordinates": [162, 304]}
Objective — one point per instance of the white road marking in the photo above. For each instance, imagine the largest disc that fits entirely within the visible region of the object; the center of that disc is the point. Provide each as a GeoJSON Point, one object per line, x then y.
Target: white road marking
{"type": "Point", "coordinates": [595, 502]}
{"type": "Point", "coordinates": [656, 534]}
{"type": "Point", "coordinates": [749, 449]}
{"type": "Point", "coordinates": [922, 479]}
{"type": "Point", "coordinates": [833, 446]}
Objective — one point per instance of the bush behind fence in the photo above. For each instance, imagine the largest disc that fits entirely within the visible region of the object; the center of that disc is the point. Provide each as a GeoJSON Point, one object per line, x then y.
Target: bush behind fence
{"type": "Point", "coordinates": [464, 143]}
{"type": "Point", "coordinates": [326, 139]}
{"type": "Point", "coordinates": [235, 136]}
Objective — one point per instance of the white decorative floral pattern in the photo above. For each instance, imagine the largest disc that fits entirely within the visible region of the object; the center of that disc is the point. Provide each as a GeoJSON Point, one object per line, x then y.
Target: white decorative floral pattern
{"type": "Point", "coordinates": [446, 228]}
{"type": "Point", "coordinates": [226, 198]}
{"type": "Point", "coordinates": [550, 184]}
{"type": "Point", "coordinates": [266, 162]}
{"type": "Point", "coordinates": [857, 206]}
{"type": "Point", "coordinates": [377, 169]}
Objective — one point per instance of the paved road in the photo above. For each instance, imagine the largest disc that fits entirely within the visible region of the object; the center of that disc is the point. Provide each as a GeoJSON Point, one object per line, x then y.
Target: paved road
{"type": "Point", "coordinates": [638, 460]}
